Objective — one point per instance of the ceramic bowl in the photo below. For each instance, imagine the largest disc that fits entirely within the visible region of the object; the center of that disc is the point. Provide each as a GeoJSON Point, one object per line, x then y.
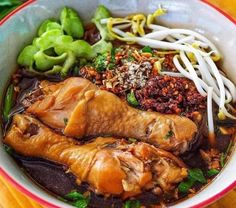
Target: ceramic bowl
{"type": "Point", "coordinates": [18, 29]}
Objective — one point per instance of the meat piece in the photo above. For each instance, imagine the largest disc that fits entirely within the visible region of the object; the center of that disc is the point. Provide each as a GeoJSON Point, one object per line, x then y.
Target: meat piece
{"type": "Point", "coordinates": [92, 112]}
{"type": "Point", "coordinates": [109, 165]}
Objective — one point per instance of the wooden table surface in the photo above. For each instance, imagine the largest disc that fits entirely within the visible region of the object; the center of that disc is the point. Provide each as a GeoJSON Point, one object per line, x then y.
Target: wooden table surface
{"type": "Point", "coordinates": [12, 198]}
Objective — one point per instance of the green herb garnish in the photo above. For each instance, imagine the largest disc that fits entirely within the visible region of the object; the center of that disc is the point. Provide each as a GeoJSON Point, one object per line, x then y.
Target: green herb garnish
{"type": "Point", "coordinates": [65, 121]}
{"type": "Point", "coordinates": [194, 175]}
{"type": "Point", "coordinates": [224, 155]}
{"type": "Point", "coordinates": [113, 55]}
{"type": "Point", "coordinates": [8, 103]}
{"type": "Point", "coordinates": [74, 195]}
{"type": "Point", "coordinates": [8, 149]}
{"type": "Point", "coordinates": [132, 204]}
{"type": "Point", "coordinates": [197, 175]}
{"type": "Point", "coordinates": [110, 66]}
{"type": "Point", "coordinates": [169, 134]}
{"type": "Point", "coordinates": [79, 200]}
{"type": "Point", "coordinates": [132, 99]}
{"type": "Point", "coordinates": [130, 59]}
{"type": "Point", "coordinates": [184, 186]}
{"type": "Point", "coordinates": [222, 159]}
{"type": "Point", "coordinates": [82, 203]}
{"type": "Point", "coordinates": [100, 62]}
{"type": "Point", "coordinates": [147, 49]}
{"type": "Point", "coordinates": [212, 172]}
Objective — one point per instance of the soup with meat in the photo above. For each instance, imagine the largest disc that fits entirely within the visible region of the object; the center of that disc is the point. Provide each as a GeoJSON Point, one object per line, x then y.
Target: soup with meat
{"type": "Point", "coordinates": [122, 112]}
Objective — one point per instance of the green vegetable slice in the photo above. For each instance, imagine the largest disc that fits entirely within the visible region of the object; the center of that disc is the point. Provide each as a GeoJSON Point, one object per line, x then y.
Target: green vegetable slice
{"type": "Point", "coordinates": [48, 39]}
{"type": "Point", "coordinates": [102, 46]}
{"type": "Point", "coordinates": [44, 62]}
{"type": "Point", "coordinates": [71, 23]}
{"type": "Point", "coordinates": [26, 57]}
{"type": "Point", "coordinates": [48, 25]}
{"type": "Point", "coordinates": [132, 99]}
{"type": "Point", "coordinates": [81, 49]}
{"type": "Point", "coordinates": [102, 13]}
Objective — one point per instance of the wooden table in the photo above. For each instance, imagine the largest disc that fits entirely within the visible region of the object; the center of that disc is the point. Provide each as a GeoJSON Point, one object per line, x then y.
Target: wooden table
{"type": "Point", "coordinates": [12, 198]}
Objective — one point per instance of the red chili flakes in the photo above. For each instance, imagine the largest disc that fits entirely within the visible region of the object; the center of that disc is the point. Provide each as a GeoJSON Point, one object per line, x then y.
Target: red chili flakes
{"type": "Point", "coordinates": [170, 95]}
{"type": "Point", "coordinates": [168, 63]}
{"type": "Point", "coordinates": [91, 74]}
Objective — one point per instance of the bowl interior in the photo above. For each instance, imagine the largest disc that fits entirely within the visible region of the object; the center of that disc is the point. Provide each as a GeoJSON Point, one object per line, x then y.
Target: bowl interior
{"type": "Point", "coordinates": [19, 30]}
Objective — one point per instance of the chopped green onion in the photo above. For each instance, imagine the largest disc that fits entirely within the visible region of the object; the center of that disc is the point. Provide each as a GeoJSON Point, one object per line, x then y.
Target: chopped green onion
{"type": "Point", "coordinates": [8, 103]}
{"type": "Point", "coordinates": [132, 204]}
{"type": "Point", "coordinates": [147, 49]}
{"type": "Point", "coordinates": [212, 172]}
{"type": "Point", "coordinates": [197, 175]}
{"type": "Point", "coordinates": [132, 99]}
{"type": "Point", "coordinates": [169, 134]}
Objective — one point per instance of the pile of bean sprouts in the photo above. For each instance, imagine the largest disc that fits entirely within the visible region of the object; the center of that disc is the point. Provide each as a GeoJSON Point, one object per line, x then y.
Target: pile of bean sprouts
{"type": "Point", "coordinates": [195, 59]}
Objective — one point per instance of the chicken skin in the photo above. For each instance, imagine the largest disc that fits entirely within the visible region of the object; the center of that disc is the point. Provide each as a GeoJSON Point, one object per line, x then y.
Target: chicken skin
{"type": "Point", "coordinates": [108, 165]}
{"type": "Point", "coordinates": [93, 112]}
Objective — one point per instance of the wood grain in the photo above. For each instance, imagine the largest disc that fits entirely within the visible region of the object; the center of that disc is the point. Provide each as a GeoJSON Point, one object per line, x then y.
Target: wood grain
{"type": "Point", "coordinates": [12, 198]}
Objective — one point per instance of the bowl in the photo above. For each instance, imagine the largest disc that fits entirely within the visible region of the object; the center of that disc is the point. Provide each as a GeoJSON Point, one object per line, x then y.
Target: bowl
{"type": "Point", "coordinates": [18, 29]}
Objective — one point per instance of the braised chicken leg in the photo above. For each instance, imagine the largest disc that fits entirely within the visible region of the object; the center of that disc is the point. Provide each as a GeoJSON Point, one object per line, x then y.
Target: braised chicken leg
{"type": "Point", "coordinates": [92, 112]}
{"type": "Point", "coordinates": [110, 166]}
